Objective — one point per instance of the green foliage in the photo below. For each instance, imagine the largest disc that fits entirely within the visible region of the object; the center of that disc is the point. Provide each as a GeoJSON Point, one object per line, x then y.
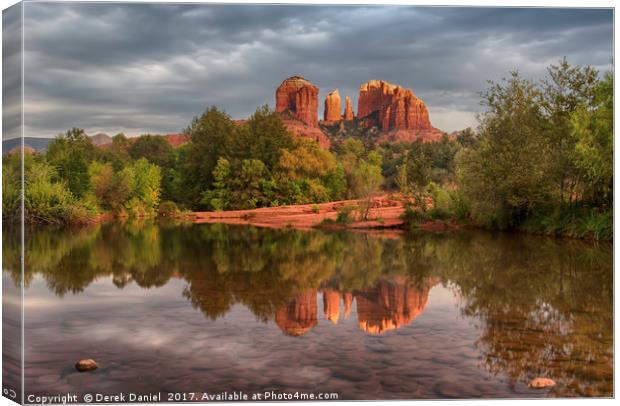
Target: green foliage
{"type": "Point", "coordinates": [133, 191]}
{"type": "Point", "coordinates": [219, 197]}
{"type": "Point", "coordinates": [344, 214]}
{"type": "Point", "coordinates": [592, 129]}
{"type": "Point", "coordinates": [117, 153]}
{"type": "Point", "coordinates": [211, 137]}
{"type": "Point", "coordinates": [153, 148]}
{"type": "Point", "coordinates": [543, 157]}
{"type": "Point", "coordinates": [262, 138]}
{"type": "Point", "coordinates": [168, 208]}
{"type": "Point", "coordinates": [574, 221]}
{"type": "Point", "coordinates": [506, 175]}
{"type": "Point", "coordinates": [71, 154]}
{"type": "Point", "coordinates": [46, 200]}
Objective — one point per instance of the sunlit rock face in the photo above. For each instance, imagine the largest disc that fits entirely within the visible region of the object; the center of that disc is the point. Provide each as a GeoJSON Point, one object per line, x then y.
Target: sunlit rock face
{"type": "Point", "coordinates": [348, 110]}
{"type": "Point", "coordinates": [332, 107]}
{"type": "Point", "coordinates": [397, 107]}
{"type": "Point", "coordinates": [391, 304]}
{"type": "Point", "coordinates": [331, 305]}
{"type": "Point", "coordinates": [299, 315]}
{"type": "Point", "coordinates": [299, 97]}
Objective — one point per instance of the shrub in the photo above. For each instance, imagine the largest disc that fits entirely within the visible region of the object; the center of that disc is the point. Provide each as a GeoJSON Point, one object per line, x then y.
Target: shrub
{"type": "Point", "coordinates": [168, 208]}
{"type": "Point", "coordinates": [344, 214]}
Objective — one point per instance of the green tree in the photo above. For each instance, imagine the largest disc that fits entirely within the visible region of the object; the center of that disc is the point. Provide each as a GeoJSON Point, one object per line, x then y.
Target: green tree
{"type": "Point", "coordinates": [71, 154]}
{"type": "Point", "coordinates": [565, 90]}
{"type": "Point", "coordinates": [262, 137]}
{"type": "Point", "coordinates": [219, 197]}
{"type": "Point", "coordinates": [211, 137]}
{"type": "Point", "coordinates": [117, 153]}
{"type": "Point", "coordinates": [592, 129]}
{"type": "Point", "coordinates": [507, 173]}
{"type": "Point", "coordinates": [154, 148]}
{"type": "Point", "coordinates": [247, 185]}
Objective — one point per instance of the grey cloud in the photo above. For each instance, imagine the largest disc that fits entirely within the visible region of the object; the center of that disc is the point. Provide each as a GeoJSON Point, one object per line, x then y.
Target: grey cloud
{"type": "Point", "coordinates": [150, 68]}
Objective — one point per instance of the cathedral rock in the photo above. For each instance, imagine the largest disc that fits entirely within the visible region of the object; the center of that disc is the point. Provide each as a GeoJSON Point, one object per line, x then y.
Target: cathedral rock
{"type": "Point", "coordinates": [397, 107]}
{"type": "Point", "coordinates": [300, 98]}
{"type": "Point", "coordinates": [332, 107]}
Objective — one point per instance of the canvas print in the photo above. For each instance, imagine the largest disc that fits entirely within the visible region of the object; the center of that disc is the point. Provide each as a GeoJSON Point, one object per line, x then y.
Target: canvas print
{"type": "Point", "coordinates": [258, 202]}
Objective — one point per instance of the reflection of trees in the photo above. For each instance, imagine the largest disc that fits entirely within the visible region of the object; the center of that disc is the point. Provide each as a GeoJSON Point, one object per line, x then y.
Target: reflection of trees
{"type": "Point", "coordinates": [544, 305]}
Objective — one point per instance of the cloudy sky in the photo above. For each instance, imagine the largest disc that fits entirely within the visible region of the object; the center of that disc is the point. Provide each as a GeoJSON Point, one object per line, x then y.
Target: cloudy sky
{"type": "Point", "coordinates": [141, 68]}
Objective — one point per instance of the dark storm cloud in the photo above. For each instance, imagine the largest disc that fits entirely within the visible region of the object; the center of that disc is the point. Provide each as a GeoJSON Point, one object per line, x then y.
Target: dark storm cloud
{"type": "Point", "coordinates": [150, 68]}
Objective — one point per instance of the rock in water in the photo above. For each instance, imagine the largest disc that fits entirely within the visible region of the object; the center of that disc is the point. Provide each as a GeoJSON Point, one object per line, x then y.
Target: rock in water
{"type": "Point", "coordinates": [539, 383]}
{"type": "Point", "coordinates": [396, 106]}
{"type": "Point", "coordinates": [332, 107]}
{"type": "Point", "coordinates": [300, 97]}
{"type": "Point", "coordinates": [348, 110]}
{"type": "Point", "coordinates": [85, 365]}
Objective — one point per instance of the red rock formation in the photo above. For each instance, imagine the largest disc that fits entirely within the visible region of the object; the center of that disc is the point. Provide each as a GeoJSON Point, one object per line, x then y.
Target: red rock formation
{"type": "Point", "coordinates": [397, 107]}
{"type": "Point", "coordinates": [299, 97]}
{"type": "Point", "coordinates": [331, 305]}
{"type": "Point", "coordinates": [299, 129]}
{"type": "Point", "coordinates": [299, 315]}
{"type": "Point", "coordinates": [391, 304]}
{"type": "Point", "coordinates": [348, 110]}
{"type": "Point", "coordinates": [332, 107]}
{"type": "Point", "coordinates": [176, 140]}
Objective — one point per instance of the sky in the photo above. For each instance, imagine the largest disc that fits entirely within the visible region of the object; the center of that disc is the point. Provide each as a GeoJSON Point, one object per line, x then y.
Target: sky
{"type": "Point", "coordinates": [150, 68]}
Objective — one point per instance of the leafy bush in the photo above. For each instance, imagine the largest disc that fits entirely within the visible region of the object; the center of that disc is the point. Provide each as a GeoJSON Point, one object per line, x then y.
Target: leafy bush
{"type": "Point", "coordinates": [168, 208]}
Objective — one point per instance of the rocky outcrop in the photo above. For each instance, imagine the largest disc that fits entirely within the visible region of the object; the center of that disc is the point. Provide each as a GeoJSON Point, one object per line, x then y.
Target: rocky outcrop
{"type": "Point", "coordinates": [332, 107]}
{"type": "Point", "coordinates": [348, 110]}
{"type": "Point", "coordinates": [176, 140]}
{"type": "Point", "coordinates": [299, 97]}
{"type": "Point", "coordinates": [299, 129]}
{"type": "Point", "coordinates": [395, 107]}
{"type": "Point", "coordinates": [299, 315]}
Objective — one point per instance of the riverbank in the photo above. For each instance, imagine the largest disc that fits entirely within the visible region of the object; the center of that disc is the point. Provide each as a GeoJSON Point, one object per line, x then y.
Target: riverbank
{"type": "Point", "coordinates": [385, 213]}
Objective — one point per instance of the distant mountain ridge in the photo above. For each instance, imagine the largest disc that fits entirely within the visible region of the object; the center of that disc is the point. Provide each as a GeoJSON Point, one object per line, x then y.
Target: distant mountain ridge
{"type": "Point", "coordinates": [36, 143]}
{"type": "Point", "coordinates": [39, 144]}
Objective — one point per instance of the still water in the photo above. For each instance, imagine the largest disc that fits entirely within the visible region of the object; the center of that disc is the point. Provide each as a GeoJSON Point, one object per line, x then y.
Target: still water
{"type": "Point", "coordinates": [210, 308]}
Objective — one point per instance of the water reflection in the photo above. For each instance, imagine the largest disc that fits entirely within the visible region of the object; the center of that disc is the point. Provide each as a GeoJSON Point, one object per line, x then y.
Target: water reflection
{"type": "Point", "coordinates": [540, 306]}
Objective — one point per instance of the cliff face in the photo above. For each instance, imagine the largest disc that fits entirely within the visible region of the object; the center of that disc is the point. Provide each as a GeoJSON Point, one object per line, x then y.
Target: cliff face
{"type": "Point", "coordinates": [332, 107]}
{"type": "Point", "coordinates": [300, 97]}
{"type": "Point", "coordinates": [397, 107]}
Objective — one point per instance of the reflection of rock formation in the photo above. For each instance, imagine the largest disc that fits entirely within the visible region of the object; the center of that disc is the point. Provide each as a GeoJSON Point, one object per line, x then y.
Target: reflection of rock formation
{"type": "Point", "coordinates": [390, 305]}
{"type": "Point", "coordinates": [331, 305]}
{"type": "Point", "coordinates": [347, 298]}
{"type": "Point", "coordinates": [299, 315]}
